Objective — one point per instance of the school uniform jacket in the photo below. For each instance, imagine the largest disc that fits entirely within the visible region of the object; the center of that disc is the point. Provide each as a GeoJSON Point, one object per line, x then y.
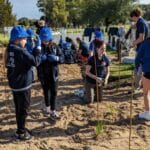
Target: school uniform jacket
{"type": "Point", "coordinates": [48, 70]}
{"type": "Point", "coordinates": [19, 67]}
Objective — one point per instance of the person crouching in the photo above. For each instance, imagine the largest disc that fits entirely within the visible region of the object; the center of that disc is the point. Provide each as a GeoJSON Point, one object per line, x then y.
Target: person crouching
{"type": "Point", "coordinates": [97, 72]}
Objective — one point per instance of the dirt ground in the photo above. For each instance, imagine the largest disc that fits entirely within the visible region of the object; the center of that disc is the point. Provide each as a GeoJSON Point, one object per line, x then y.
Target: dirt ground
{"type": "Point", "coordinates": [76, 129]}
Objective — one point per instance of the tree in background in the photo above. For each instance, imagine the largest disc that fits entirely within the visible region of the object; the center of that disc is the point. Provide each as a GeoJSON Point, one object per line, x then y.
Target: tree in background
{"type": "Point", "coordinates": [6, 16]}
{"type": "Point", "coordinates": [146, 11]}
{"type": "Point", "coordinates": [24, 21]}
{"type": "Point", "coordinates": [106, 12]}
{"type": "Point", "coordinates": [94, 12]}
{"type": "Point", "coordinates": [74, 7]}
{"type": "Point", "coordinates": [55, 11]}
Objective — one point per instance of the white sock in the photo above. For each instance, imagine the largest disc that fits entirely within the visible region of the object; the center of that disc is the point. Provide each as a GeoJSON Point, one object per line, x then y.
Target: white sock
{"type": "Point", "coordinates": [48, 109]}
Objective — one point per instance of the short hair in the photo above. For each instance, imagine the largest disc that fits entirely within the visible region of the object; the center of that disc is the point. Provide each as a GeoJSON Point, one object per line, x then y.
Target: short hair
{"type": "Point", "coordinates": [78, 39]}
{"type": "Point", "coordinates": [68, 39]}
{"type": "Point", "coordinates": [137, 12]}
{"type": "Point", "coordinates": [98, 43]}
{"type": "Point", "coordinates": [41, 23]}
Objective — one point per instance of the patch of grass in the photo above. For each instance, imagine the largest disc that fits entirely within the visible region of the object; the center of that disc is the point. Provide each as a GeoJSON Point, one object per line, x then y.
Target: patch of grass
{"type": "Point", "coordinates": [99, 128]}
{"type": "Point", "coordinates": [110, 51]}
{"type": "Point", "coordinates": [117, 69]}
{"type": "Point", "coordinates": [112, 110]}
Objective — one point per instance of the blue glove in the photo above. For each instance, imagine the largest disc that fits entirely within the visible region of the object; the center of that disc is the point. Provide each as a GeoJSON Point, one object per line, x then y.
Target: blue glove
{"type": "Point", "coordinates": [29, 46]}
{"type": "Point", "coordinates": [52, 58]}
{"type": "Point", "coordinates": [43, 57]}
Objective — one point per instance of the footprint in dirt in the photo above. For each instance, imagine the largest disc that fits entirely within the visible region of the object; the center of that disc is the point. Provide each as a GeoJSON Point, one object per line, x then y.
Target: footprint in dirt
{"type": "Point", "coordinates": [72, 130]}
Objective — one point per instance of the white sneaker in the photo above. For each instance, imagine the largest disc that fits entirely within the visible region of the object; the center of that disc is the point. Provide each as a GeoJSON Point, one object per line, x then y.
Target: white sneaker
{"type": "Point", "coordinates": [54, 116]}
{"type": "Point", "coordinates": [145, 115]}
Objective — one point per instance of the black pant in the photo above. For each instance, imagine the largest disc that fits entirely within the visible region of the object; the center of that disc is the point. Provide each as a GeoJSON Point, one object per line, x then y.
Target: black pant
{"type": "Point", "coordinates": [22, 103]}
{"type": "Point", "coordinates": [50, 93]}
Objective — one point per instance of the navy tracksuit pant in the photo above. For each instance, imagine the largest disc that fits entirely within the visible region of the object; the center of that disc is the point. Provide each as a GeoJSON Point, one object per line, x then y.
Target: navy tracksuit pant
{"type": "Point", "coordinates": [22, 103]}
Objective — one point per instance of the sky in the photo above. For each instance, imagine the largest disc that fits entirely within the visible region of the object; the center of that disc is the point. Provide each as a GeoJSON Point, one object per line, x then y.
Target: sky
{"type": "Point", "coordinates": [28, 8]}
{"type": "Point", "coordinates": [145, 1]}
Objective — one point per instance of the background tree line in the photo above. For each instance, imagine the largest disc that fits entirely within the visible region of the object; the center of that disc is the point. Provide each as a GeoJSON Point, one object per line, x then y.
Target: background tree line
{"type": "Point", "coordinates": [75, 12]}
{"type": "Point", "coordinates": [78, 12]}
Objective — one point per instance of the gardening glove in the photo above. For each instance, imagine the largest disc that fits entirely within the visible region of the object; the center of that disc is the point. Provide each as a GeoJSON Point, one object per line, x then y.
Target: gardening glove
{"type": "Point", "coordinates": [43, 57]}
{"type": "Point", "coordinates": [99, 80]}
{"type": "Point", "coordinates": [52, 58]}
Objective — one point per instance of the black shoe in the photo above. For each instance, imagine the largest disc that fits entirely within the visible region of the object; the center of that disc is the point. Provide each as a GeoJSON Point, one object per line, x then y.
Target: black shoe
{"type": "Point", "coordinates": [23, 136]}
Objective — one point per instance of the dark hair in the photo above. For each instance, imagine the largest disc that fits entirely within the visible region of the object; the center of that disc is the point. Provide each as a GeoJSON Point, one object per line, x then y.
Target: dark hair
{"type": "Point", "coordinates": [98, 43]}
{"type": "Point", "coordinates": [78, 39]}
{"type": "Point", "coordinates": [137, 12]}
{"type": "Point", "coordinates": [68, 39]}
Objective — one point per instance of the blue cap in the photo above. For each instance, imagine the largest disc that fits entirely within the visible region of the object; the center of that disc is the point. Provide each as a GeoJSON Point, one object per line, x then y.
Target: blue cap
{"type": "Point", "coordinates": [98, 34]}
{"type": "Point", "coordinates": [46, 34]}
{"type": "Point", "coordinates": [30, 32]}
{"type": "Point", "coordinates": [18, 32]}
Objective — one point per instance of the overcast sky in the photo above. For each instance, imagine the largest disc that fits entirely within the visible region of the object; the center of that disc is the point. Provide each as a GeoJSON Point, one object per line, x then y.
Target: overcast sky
{"type": "Point", "coordinates": [28, 8]}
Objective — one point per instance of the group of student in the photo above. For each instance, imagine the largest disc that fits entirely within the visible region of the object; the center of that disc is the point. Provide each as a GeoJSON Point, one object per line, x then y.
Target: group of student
{"type": "Point", "coordinates": [27, 50]}
{"type": "Point", "coordinates": [24, 52]}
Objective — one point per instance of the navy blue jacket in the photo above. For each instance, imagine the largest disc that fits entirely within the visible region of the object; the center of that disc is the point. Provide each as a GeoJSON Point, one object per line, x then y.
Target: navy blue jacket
{"type": "Point", "coordinates": [141, 27]}
{"type": "Point", "coordinates": [19, 67]}
{"type": "Point", "coordinates": [100, 67]}
{"type": "Point", "coordinates": [143, 56]}
{"type": "Point", "coordinates": [48, 70]}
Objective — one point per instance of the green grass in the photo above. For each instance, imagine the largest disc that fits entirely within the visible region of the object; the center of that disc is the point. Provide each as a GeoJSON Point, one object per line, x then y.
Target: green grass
{"type": "Point", "coordinates": [4, 39]}
{"type": "Point", "coordinates": [112, 109]}
{"type": "Point", "coordinates": [99, 128]}
{"type": "Point", "coordinates": [110, 51]}
{"type": "Point", "coordinates": [117, 69]}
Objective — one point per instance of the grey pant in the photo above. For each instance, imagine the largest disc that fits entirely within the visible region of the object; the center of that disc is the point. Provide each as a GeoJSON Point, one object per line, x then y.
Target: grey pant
{"type": "Point", "coordinates": [91, 92]}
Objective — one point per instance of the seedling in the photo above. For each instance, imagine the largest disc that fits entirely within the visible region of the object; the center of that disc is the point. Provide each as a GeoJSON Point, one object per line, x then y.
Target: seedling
{"type": "Point", "coordinates": [99, 128]}
{"type": "Point", "coordinates": [112, 110]}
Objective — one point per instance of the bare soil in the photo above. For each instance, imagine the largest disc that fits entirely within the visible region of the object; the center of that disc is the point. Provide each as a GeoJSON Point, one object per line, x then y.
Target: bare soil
{"type": "Point", "coordinates": [76, 129]}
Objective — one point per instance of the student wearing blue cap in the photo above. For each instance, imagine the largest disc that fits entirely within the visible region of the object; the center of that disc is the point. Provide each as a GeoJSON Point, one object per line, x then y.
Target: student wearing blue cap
{"type": "Point", "coordinates": [48, 71]}
{"type": "Point", "coordinates": [98, 35]}
{"type": "Point", "coordinates": [19, 64]}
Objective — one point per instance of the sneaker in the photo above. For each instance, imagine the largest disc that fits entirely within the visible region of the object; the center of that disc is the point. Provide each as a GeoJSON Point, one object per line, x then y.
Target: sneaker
{"type": "Point", "coordinates": [23, 136]}
{"type": "Point", "coordinates": [145, 115]}
{"type": "Point", "coordinates": [54, 116]}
